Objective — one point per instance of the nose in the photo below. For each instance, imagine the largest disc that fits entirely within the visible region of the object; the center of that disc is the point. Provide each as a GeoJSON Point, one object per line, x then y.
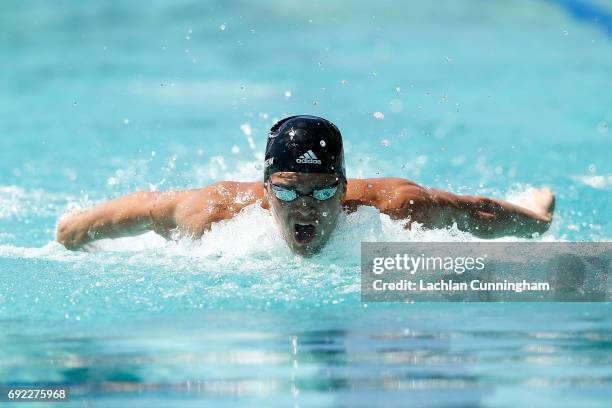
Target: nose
{"type": "Point", "coordinates": [304, 208]}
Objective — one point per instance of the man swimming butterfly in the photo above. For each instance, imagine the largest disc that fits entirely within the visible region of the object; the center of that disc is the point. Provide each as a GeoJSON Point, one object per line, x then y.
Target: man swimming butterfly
{"type": "Point", "coordinates": [305, 188]}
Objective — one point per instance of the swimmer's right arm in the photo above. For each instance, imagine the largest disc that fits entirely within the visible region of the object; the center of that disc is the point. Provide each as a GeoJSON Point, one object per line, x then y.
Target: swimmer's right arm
{"type": "Point", "coordinates": [130, 215]}
{"type": "Point", "coordinates": [190, 212]}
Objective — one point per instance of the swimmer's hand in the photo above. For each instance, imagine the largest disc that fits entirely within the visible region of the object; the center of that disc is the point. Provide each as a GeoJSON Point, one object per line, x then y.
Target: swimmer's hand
{"type": "Point", "coordinates": [541, 201]}
{"type": "Point", "coordinates": [73, 230]}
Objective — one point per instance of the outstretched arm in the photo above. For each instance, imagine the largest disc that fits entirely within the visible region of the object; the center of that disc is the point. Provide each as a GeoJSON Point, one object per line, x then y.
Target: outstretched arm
{"type": "Point", "coordinates": [191, 212]}
{"type": "Point", "coordinates": [481, 216]}
{"type": "Point", "coordinates": [491, 218]}
{"type": "Point", "coordinates": [129, 215]}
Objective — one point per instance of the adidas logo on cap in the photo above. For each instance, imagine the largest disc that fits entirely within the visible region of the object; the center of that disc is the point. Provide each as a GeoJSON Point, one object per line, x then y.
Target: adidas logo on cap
{"type": "Point", "coordinates": [308, 157]}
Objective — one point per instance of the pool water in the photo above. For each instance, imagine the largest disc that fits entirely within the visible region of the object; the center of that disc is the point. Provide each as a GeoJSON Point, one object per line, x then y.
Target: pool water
{"type": "Point", "coordinates": [475, 97]}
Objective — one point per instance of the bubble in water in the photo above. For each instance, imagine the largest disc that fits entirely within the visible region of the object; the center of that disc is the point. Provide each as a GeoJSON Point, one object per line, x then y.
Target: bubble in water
{"type": "Point", "coordinates": [222, 27]}
{"type": "Point", "coordinates": [235, 149]}
{"type": "Point", "coordinates": [322, 143]}
{"type": "Point", "coordinates": [379, 115]}
{"type": "Point", "coordinates": [385, 142]}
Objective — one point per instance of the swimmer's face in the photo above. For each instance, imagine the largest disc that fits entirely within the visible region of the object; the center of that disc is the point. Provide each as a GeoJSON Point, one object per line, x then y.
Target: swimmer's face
{"type": "Point", "coordinates": [306, 222]}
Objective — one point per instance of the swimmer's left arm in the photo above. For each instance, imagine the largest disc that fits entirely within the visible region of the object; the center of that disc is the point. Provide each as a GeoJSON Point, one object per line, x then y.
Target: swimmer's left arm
{"type": "Point", "coordinates": [481, 216]}
{"type": "Point", "coordinates": [491, 218]}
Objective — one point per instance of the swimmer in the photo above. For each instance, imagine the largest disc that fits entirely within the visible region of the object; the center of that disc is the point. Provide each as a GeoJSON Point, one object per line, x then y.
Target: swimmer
{"type": "Point", "coordinates": [305, 188]}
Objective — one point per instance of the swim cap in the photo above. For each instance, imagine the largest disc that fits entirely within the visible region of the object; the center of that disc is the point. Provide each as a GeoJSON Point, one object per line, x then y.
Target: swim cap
{"type": "Point", "coordinates": [305, 144]}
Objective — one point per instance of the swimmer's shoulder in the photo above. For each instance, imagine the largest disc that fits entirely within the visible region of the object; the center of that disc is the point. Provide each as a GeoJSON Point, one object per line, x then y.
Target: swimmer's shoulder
{"type": "Point", "coordinates": [199, 208]}
{"type": "Point", "coordinates": [232, 195]}
{"type": "Point", "coordinates": [371, 190]}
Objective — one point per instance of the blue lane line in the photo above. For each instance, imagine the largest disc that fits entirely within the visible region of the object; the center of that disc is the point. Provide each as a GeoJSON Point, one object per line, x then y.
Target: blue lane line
{"type": "Point", "coordinates": [586, 12]}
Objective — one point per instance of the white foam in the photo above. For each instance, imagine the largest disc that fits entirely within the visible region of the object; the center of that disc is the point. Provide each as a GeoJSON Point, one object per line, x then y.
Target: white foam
{"type": "Point", "coordinates": [599, 182]}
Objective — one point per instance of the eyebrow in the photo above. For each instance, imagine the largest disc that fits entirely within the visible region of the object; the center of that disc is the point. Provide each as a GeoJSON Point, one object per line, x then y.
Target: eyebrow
{"type": "Point", "coordinates": [314, 188]}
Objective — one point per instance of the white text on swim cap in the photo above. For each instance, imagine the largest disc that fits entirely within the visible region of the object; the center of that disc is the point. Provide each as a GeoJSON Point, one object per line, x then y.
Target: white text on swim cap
{"type": "Point", "coordinates": [308, 157]}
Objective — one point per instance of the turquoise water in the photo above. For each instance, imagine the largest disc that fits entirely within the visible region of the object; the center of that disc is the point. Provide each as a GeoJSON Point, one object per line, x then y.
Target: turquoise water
{"type": "Point", "coordinates": [478, 97]}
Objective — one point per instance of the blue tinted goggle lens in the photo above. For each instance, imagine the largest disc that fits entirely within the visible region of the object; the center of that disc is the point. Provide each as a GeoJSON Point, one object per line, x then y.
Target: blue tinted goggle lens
{"type": "Point", "coordinates": [321, 194]}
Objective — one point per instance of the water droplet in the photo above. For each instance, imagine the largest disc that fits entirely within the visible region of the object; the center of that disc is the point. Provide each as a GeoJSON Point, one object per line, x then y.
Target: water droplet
{"type": "Point", "coordinates": [344, 82]}
{"type": "Point", "coordinates": [592, 168]}
{"type": "Point", "coordinates": [126, 121]}
{"type": "Point", "coordinates": [324, 213]}
{"type": "Point", "coordinates": [379, 115]}
{"type": "Point", "coordinates": [288, 94]}
{"type": "Point", "coordinates": [246, 128]}
{"type": "Point", "coordinates": [235, 149]}
{"type": "Point", "coordinates": [315, 103]}
{"type": "Point", "coordinates": [385, 142]}
{"type": "Point", "coordinates": [322, 143]}
{"type": "Point", "coordinates": [398, 89]}
{"type": "Point", "coordinates": [222, 27]}
{"type": "Point", "coordinates": [411, 202]}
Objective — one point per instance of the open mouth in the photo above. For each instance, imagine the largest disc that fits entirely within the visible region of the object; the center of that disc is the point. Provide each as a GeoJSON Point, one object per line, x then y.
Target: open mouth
{"type": "Point", "coordinates": [304, 233]}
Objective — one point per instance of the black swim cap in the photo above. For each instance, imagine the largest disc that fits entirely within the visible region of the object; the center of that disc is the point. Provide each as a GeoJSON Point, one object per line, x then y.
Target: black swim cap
{"type": "Point", "coordinates": [305, 144]}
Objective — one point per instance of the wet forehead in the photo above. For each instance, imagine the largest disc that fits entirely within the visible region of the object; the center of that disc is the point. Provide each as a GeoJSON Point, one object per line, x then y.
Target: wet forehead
{"type": "Point", "coordinates": [303, 180]}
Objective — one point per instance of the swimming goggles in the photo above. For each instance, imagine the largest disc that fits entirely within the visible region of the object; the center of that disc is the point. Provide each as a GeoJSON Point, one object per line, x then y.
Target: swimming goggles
{"type": "Point", "coordinates": [319, 194]}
